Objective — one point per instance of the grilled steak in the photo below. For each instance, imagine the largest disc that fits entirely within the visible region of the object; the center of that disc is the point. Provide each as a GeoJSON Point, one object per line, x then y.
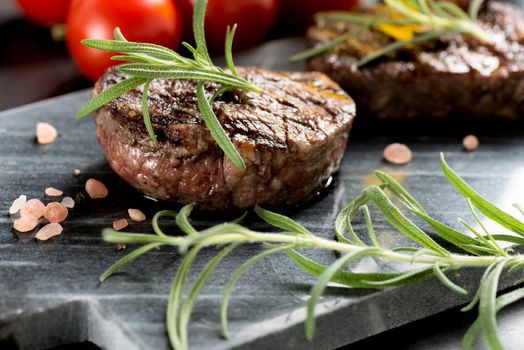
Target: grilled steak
{"type": "Point", "coordinates": [455, 76]}
{"type": "Point", "coordinates": [291, 136]}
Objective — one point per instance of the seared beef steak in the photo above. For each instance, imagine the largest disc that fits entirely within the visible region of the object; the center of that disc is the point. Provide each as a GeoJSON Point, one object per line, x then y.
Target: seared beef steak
{"type": "Point", "coordinates": [291, 136]}
{"type": "Point", "coordinates": [455, 76]}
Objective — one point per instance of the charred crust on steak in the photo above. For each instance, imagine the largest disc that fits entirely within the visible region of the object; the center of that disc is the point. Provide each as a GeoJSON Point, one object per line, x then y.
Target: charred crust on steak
{"type": "Point", "coordinates": [453, 76]}
{"type": "Point", "coordinates": [292, 137]}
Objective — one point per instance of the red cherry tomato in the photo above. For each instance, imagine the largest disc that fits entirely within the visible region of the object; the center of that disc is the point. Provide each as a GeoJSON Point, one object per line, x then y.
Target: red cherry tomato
{"type": "Point", "coordinates": [152, 21]}
{"type": "Point", "coordinates": [253, 17]}
{"type": "Point", "coordinates": [45, 12]}
{"type": "Point", "coordinates": [298, 14]}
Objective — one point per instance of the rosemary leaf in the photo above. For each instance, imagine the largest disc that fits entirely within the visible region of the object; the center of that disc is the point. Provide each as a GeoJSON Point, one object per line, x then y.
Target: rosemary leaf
{"type": "Point", "coordinates": [483, 205]}
{"type": "Point", "coordinates": [189, 303]}
{"type": "Point", "coordinates": [451, 235]}
{"type": "Point", "coordinates": [158, 216]}
{"type": "Point", "coordinates": [198, 29]}
{"type": "Point", "coordinates": [439, 10]}
{"type": "Point", "coordinates": [322, 282]}
{"type": "Point", "coordinates": [145, 112]}
{"type": "Point", "coordinates": [343, 221]}
{"type": "Point", "coordinates": [403, 278]}
{"type": "Point", "coordinates": [397, 45]}
{"type": "Point", "coordinates": [109, 95]}
{"type": "Point", "coordinates": [377, 280]}
{"type": "Point", "coordinates": [174, 301]}
{"type": "Point", "coordinates": [502, 301]}
{"type": "Point", "coordinates": [478, 250]}
{"type": "Point", "coordinates": [132, 47]}
{"type": "Point", "coordinates": [117, 33]}
{"type": "Point", "coordinates": [328, 46]}
{"type": "Point", "coordinates": [396, 188]}
{"type": "Point", "coordinates": [216, 129]}
{"type": "Point", "coordinates": [519, 208]}
{"type": "Point", "coordinates": [487, 307]}
{"type": "Point", "coordinates": [127, 259]}
{"type": "Point", "coordinates": [110, 235]}
{"type": "Point", "coordinates": [400, 221]}
{"type": "Point", "coordinates": [230, 35]}
{"type": "Point", "coordinates": [446, 281]}
{"type": "Point", "coordinates": [238, 273]}
{"type": "Point", "coordinates": [423, 7]}
{"type": "Point", "coordinates": [479, 222]}
{"type": "Point", "coordinates": [361, 18]}
{"type": "Point", "coordinates": [128, 58]}
{"type": "Point", "coordinates": [485, 242]}
{"type": "Point", "coordinates": [369, 224]}
{"type": "Point", "coordinates": [515, 268]}
{"type": "Point", "coordinates": [182, 220]}
{"type": "Point", "coordinates": [240, 218]}
{"type": "Point", "coordinates": [155, 71]}
{"type": "Point", "coordinates": [509, 238]}
{"type": "Point", "coordinates": [453, 9]}
{"type": "Point", "coordinates": [474, 7]}
{"type": "Point", "coordinates": [281, 221]}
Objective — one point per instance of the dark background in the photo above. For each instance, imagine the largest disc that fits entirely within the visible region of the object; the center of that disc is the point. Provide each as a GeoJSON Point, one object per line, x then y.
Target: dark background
{"type": "Point", "coordinates": [33, 66]}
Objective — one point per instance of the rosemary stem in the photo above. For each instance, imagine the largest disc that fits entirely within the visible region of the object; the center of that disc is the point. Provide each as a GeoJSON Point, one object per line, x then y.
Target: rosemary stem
{"type": "Point", "coordinates": [327, 244]}
{"type": "Point", "coordinates": [251, 237]}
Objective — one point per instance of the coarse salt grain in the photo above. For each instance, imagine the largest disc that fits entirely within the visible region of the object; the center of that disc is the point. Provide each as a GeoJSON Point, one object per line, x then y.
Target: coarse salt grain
{"type": "Point", "coordinates": [68, 202]}
{"type": "Point", "coordinates": [55, 212]}
{"type": "Point", "coordinates": [120, 224]}
{"type": "Point", "coordinates": [17, 204]}
{"type": "Point", "coordinates": [33, 207]}
{"type": "Point", "coordinates": [96, 189]}
{"type": "Point", "coordinates": [470, 143]}
{"type": "Point", "coordinates": [53, 192]}
{"type": "Point", "coordinates": [45, 133]}
{"type": "Point", "coordinates": [25, 223]}
{"type": "Point", "coordinates": [397, 153]}
{"type": "Point", "coordinates": [48, 231]}
{"type": "Point", "coordinates": [76, 172]}
{"type": "Point", "coordinates": [136, 215]}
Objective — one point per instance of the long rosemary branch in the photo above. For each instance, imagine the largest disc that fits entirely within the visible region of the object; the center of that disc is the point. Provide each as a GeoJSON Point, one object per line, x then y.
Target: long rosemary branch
{"type": "Point", "coordinates": [481, 251]}
{"type": "Point", "coordinates": [300, 241]}
{"type": "Point", "coordinates": [432, 20]}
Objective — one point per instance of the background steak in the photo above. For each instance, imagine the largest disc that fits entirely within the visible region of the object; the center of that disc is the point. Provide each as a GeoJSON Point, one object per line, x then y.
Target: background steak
{"type": "Point", "coordinates": [292, 137]}
{"type": "Point", "coordinates": [455, 76]}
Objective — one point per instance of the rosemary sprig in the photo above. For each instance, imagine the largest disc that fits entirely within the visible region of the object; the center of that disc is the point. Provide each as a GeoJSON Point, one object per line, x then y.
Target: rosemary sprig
{"type": "Point", "coordinates": [149, 61]}
{"type": "Point", "coordinates": [481, 251]}
{"type": "Point", "coordinates": [432, 19]}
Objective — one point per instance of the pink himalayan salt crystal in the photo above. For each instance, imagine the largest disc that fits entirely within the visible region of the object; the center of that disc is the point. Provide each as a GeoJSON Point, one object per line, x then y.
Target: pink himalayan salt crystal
{"type": "Point", "coordinates": [55, 212]}
{"type": "Point", "coordinates": [470, 143]}
{"type": "Point", "coordinates": [136, 215]}
{"type": "Point", "coordinates": [53, 192]}
{"type": "Point", "coordinates": [397, 153]}
{"type": "Point", "coordinates": [45, 133]}
{"type": "Point", "coordinates": [95, 189]}
{"type": "Point", "coordinates": [68, 202]}
{"type": "Point", "coordinates": [17, 204]}
{"type": "Point", "coordinates": [25, 223]}
{"type": "Point", "coordinates": [34, 208]}
{"type": "Point", "coordinates": [48, 231]}
{"type": "Point", "coordinates": [120, 224]}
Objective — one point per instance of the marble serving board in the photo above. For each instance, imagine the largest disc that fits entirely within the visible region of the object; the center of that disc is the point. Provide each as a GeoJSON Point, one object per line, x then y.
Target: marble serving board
{"type": "Point", "coordinates": [50, 294]}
